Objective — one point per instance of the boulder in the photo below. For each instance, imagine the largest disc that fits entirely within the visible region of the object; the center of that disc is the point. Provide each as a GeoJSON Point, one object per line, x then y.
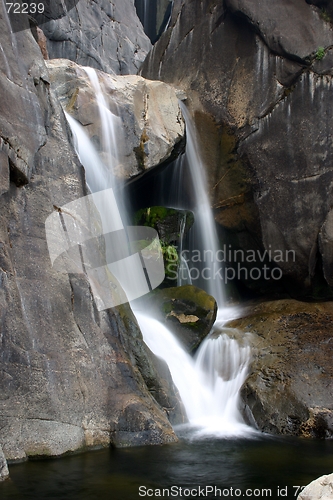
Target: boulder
{"type": "Point", "coordinates": [319, 489]}
{"type": "Point", "coordinates": [101, 34]}
{"type": "Point", "coordinates": [150, 129]}
{"type": "Point", "coordinates": [187, 311]}
{"type": "Point", "coordinates": [260, 107]}
{"type": "Point", "coordinates": [289, 389]}
{"type": "Point", "coordinates": [4, 473]}
{"type": "Point", "coordinates": [70, 375]}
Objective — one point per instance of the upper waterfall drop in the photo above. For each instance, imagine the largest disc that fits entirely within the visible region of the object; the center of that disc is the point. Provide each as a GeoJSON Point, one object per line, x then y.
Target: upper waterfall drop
{"type": "Point", "coordinates": [111, 124]}
{"type": "Point", "coordinates": [204, 234]}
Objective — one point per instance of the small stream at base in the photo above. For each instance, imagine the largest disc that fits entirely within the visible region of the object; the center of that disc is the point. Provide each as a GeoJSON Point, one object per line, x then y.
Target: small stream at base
{"type": "Point", "coordinates": [259, 463]}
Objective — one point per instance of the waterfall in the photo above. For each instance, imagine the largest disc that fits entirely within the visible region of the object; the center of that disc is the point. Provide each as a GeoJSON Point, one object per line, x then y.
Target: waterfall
{"type": "Point", "coordinates": [111, 124]}
{"type": "Point", "coordinates": [184, 277]}
{"type": "Point", "coordinates": [98, 176]}
{"type": "Point", "coordinates": [154, 16]}
{"type": "Point", "coordinates": [204, 236]}
{"type": "Point", "coordinates": [209, 385]}
{"type": "Point", "coordinates": [131, 270]}
{"type": "Point", "coordinates": [183, 186]}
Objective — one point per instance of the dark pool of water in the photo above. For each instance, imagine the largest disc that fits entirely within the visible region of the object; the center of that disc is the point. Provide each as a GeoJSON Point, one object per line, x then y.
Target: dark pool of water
{"type": "Point", "coordinates": [246, 465]}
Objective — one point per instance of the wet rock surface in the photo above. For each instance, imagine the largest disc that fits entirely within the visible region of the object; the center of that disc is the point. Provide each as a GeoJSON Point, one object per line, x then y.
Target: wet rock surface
{"type": "Point", "coordinates": [149, 129]}
{"type": "Point", "coordinates": [289, 28]}
{"type": "Point", "coordinates": [154, 16]}
{"type": "Point", "coordinates": [289, 388]}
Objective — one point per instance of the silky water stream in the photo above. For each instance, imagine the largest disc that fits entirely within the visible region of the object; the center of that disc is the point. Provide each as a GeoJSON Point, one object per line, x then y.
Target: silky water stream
{"type": "Point", "coordinates": [209, 385]}
{"type": "Point", "coordinates": [218, 455]}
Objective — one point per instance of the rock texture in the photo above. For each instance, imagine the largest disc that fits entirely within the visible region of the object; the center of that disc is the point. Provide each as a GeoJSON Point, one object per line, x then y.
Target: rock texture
{"type": "Point", "coordinates": [105, 35]}
{"type": "Point", "coordinates": [289, 29]}
{"type": "Point", "coordinates": [4, 473]}
{"type": "Point", "coordinates": [289, 389]}
{"type": "Point", "coordinates": [187, 311]}
{"type": "Point", "coordinates": [71, 377]}
{"type": "Point", "coordinates": [259, 84]}
{"type": "Point", "coordinates": [151, 128]}
{"type": "Point", "coordinates": [319, 489]}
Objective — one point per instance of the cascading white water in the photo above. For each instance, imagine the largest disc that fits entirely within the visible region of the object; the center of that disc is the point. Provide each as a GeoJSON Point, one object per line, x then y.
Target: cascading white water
{"type": "Point", "coordinates": [209, 386]}
{"type": "Point", "coordinates": [99, 176]}
{"type": "Point", "coordinates": [204, 234]}
{"type": "Point", "coordinates": [110, 123]}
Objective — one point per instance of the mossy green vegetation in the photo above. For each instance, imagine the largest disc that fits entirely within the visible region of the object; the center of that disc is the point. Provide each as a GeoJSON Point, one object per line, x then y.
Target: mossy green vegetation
{"type": "Point", "coordinates": [171, 259]}
{"type": "Point", "coordinates": [320, 53]}
{"type": "Point", "coordinates": [152, 216]}
{"type": "Point", "coordinates": [167, 222]}
{"type": "Point", "coordinates": [189, 293]}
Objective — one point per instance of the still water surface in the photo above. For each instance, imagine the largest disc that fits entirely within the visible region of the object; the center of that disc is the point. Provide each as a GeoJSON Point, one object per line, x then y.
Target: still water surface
{"type": "Point", "coordinates": [276, 464]}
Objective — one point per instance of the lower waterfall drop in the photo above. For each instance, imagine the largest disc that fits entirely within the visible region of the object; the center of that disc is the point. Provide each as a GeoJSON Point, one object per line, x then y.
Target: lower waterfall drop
{"type": "Point", "coordinates": [208, 385]}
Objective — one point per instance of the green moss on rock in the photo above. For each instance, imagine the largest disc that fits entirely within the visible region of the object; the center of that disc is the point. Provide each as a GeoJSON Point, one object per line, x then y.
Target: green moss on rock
{"type": "Point", "coordinates": [187, 311]}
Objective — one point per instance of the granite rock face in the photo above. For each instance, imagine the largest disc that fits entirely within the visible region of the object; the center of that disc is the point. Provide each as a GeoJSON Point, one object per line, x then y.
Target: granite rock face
{"type": "Point", "coordinates": [105, 35]}
{"type": "Point", "coordinates": [71, 377]}
{"type": "Point", "coordinates": [289, 29]}
{"type": "Point", "coordinates": [150, 129]}
{"type": "Point", "coordinates": [289, 388]}
{"type": "Point", "coordinates": [259, 84]}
